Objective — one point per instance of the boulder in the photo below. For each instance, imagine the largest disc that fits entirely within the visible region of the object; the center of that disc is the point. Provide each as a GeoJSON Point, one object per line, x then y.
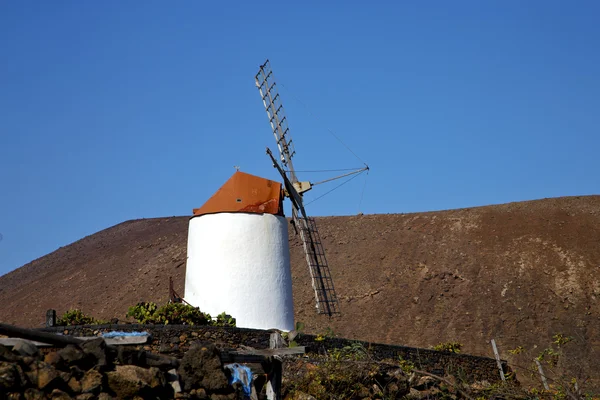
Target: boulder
{"type": "Point", "coordinates": [201, 367]}
{"type": "Point", "coordinates": [26, 348]}
{"type": "Point", "coordinates": [71, 355]}
{"type": "Point", "coordinates": [59, 395]}
{"type": "Point", "coordinates": [9, 377]}
{"type": "Point", "coordinates": [7, 355]}
{"type": "Point", "coordinates": [46, 378]}
{"type": "Point", "coordinates": [34, 394]}
{"type": "Point", "coordinates": [98, 353]}
{"type": "Point", "coordinates": [128, 381]}
{"type": "Point", "coordinates": [92, 382]}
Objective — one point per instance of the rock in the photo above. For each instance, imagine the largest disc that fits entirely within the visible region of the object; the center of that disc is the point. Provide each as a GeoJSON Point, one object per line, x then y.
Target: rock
{"type": "Point", "coordinates": [425, 382]}
{"type": "Point", "coordinates": [85, 396]}
{"type": "Point", "coordinates": [182, 338]}
{"type": "Point", "coordinates": [71, 355]}
{"type": "Point", "coordinates": [52, 359]}
{"type": "Point", "coordinates": [14, 396]}
{"type": "Point", "coordinates": [104, 396]}
{"type": "Point", "coordinates": [414, 394]}
{"type": "Point", "coordinates": [199, 394]}
{"type": "Point", "coordinates": [219, 396]}
{"type": "Point", "coordinates": [33, 394]}
{"type": "Point", "coordinates": [195, 334]}
{"type": "Point", "coordinates": [164, 348]}
{"type": "Point", "coordinates": [96, 348]}
{"type": "Point", "coordinates": [174, 340]}
{"type": "Point", "coordinates": [131, 357]}
{"type": "Point", "coordinates": [74, 385]}
{"type": "Point", "coordinates": [9, 377]}
{"type": "Point", "coordinates": [7, 355]}
{"type": "Point", "coordinates": [26, 348]}
{"type": "Point", "coordinates": [59, 395]}
{"type": "Point", "coordinates": [201, 367]}
{"type": "Point", "coordinates": [128, 381]}
{"type": "Point", "coordinates": [92, 382]}
{"type": "Point", "coordinates": [298, 395]}
{"type": "Point", "coordinates": [45, 377]}
{"type": "Point", "coordinates": [173, 380]}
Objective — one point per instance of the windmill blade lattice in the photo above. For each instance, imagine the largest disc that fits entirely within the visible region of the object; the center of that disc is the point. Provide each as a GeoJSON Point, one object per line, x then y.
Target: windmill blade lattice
{"type": "Point", "coordinates": [325, 295]}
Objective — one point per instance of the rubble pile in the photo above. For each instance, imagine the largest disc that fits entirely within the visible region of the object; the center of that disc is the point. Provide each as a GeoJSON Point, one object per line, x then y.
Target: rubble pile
{"type": "Point", "coordinates": [94, 370]}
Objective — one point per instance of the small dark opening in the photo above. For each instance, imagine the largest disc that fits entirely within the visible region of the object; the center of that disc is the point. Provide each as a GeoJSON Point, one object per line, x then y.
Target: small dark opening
{"type": "Point", "coordinates": [238, 200]}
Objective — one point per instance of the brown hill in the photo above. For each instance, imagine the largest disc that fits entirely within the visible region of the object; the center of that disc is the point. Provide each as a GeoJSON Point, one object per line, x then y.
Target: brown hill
{"type": "Point", "coordinates": [519, 273]}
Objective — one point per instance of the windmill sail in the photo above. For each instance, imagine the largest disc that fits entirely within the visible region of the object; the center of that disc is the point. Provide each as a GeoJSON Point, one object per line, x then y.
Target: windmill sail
{"type": "Point", "coordinates": [326, 299]}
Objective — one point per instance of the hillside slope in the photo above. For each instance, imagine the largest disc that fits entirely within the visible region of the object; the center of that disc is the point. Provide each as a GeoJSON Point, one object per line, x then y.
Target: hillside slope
{"type": "Point", "coordinates": [518, 272]}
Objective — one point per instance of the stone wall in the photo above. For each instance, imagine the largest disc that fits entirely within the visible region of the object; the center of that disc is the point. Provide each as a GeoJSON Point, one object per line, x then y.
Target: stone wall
{"type": "Point", "coordinates": [175, 340]}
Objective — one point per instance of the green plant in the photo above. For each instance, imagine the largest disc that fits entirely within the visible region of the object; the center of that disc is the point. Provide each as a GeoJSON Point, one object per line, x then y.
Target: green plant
{"type": "Point", "coordinates": [517, 350]}
{"type": "Point", "coordinates": [172, 313]}
{"type": "Point", "coordinates": [224, 319]}
{"type": "Point", "coordinates": [327, 334]}
{"type": "Point", "coordinates": [560, 340]}
{"type": "Point", "coordinates": [406, 366]}
{"type": "Point", "coordinates": [143, 312]}
{"type": "Point", "coordinates": [77, 317]}
{"type": "Point", "coordinates": [355, 351]}
{"type": "Point", "coordinates": [451, 347]}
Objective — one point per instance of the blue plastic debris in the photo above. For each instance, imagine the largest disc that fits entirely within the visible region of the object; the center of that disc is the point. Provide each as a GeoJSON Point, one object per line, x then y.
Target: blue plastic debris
{"type": "Point", "coordinates": [241, 374]}
{"type": "Point", "coordinates": [113, 334]}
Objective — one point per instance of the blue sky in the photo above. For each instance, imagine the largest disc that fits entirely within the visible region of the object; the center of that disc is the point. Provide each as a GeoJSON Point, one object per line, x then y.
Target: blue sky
{"type": "Point", "coordinates": [112, 111]}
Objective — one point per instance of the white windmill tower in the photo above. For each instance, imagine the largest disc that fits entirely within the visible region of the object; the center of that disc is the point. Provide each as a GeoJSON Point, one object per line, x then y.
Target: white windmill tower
{"type": "Point", "coordinates": [325, 295]}
{"type": "Point", "coordinates": [238, 258]}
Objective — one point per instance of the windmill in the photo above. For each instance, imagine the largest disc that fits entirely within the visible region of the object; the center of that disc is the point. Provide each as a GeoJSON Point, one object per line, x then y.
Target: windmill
{"type": "Point", "coordinates": [325, 295]}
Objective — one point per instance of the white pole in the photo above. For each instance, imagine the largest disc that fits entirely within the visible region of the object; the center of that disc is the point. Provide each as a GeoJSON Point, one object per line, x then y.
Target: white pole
{"type": "Point", "coordinates": [498, 360]}
{"type": "Point", "coordinates": [542, 374]}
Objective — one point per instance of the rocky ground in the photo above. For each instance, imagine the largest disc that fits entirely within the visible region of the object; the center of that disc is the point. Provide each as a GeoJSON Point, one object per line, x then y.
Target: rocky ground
{"type": "Point", "coordinates": [94, 370]}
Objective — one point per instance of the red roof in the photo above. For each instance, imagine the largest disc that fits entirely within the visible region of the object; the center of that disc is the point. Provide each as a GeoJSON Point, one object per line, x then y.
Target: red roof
{"type": "Point", "coordinates": [245, 193]}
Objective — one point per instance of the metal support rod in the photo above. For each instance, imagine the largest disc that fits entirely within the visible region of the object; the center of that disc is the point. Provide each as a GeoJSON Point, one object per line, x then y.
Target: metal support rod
{"type": "Point", "coordinates": [341, 176]}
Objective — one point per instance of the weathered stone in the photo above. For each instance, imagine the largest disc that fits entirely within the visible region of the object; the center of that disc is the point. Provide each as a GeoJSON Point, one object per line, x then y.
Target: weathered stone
{"type": "Point", "coordinates": [164, 348]}
{"type": "Point", "coordinates": [104, 396]}
{"type": "Point", "coordinates": [74, 385]}
{"type": "Point", "coordinates": [85, 396]}
{"type": "Point", "coordinates": [220, 396]}
{"type": "Point", "coordinates": [45, 377]}
{"type": "Point", "coordinates": [131, 357]}
{"type": "Point", "coordinates": [71, 355]}
{"type": "Point", "coordinates": [91, 382]}
{"type": "Point", "coordinates": [9, 377]}
{"type": "Point", "coordinates": [174, 340]}
{"type": "Point", "coordinates": [128, 381]}
{"type": "Point", "coordinates": [201, 367]}
{"type": "Point", "coordinates": [199, 394]}
{"type": "Point", "coordinates": [33, 394]}
{"type": "Point", "coordinates": [96, 348]}
{"type": "Point", "coordinates": [26, 348]}
{"type": "Point", "coordinates": [173, 380]}
{"type": "Point", "coordinates": [414, 394]}
{"type": "Point", "coordinates": [195, 334]}
{"type": "Point", "coordinates": [425, 382]}
{"type": "Point", "coordinates": [7, 355]}
{"type": "Point", "coordinates": [183, 338]}
{"type": "Point", "coordinates": [14, 396]}
{"type": "Point", "coordinates": [59, 395]}
{"type": "Point", "coordinates": [52, 358]}
{"type": "Point", "coordinates": [298, 395]}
